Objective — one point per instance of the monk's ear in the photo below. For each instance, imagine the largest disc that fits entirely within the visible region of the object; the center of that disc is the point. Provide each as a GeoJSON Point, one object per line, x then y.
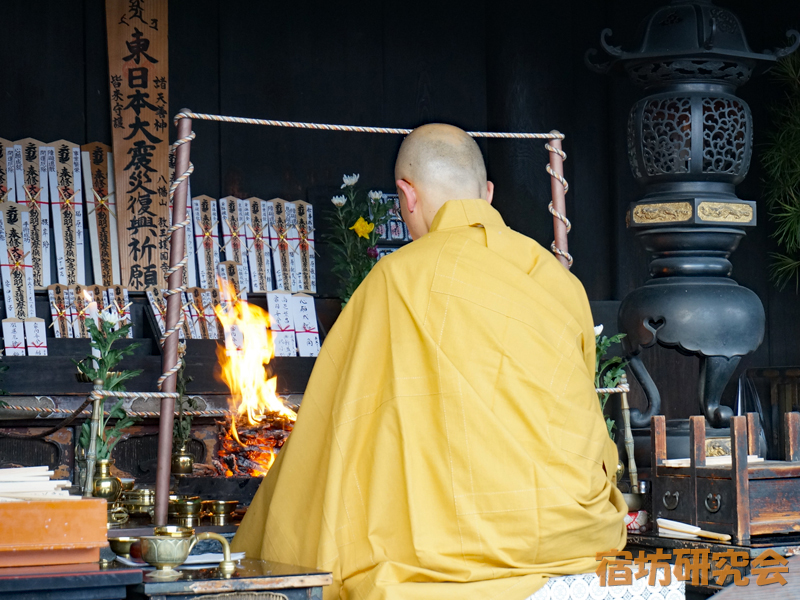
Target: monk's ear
{"type": "Point", "coordinates": [409, 192]}
{"type": "Point", "coordinates": [489, 191]}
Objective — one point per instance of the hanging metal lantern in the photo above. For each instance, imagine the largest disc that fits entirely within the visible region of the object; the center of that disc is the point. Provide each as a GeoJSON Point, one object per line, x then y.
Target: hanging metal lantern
{"type": "Point", "coordinates": [689, 145]}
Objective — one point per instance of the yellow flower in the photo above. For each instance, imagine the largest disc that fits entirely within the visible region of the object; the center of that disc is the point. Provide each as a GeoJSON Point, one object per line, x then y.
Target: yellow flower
{"type": "Point", "coordinates": [363, 228]}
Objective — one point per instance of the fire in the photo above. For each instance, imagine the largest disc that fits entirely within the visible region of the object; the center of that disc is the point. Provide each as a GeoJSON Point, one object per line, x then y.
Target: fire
{"type": "Point", "coordinates": [254, 401]}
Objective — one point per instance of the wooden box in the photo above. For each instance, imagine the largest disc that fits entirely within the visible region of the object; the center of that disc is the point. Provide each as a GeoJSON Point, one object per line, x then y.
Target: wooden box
{"type": "Point", "coordinates": [739, 499]}
{"type": "Point", "coordinates": [52, 532]}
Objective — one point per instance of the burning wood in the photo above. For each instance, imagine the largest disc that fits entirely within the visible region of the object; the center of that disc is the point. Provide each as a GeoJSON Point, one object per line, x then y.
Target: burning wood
{"type": "Point", "coordinates": [260, 422]}
{"type": "Point", "coordinates": [252, 454]}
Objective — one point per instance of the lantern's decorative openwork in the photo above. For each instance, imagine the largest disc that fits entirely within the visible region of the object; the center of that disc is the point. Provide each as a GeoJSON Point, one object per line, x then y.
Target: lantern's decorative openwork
{"type": "Point", "coordinates": [690, 141]}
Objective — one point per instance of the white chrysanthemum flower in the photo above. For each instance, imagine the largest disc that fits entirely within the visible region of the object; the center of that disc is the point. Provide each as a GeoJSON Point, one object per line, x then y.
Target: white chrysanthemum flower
{"type": "Point", "coordinates": [375, 196]}
{"type": "Point", "coordinates": [339, 200]}
{"type": "Point", "coordinates": [598, 329]}
{"type": "Point", "coordinates": [110, 317]}
{"type": "Point", "coordinates": [350, 180]}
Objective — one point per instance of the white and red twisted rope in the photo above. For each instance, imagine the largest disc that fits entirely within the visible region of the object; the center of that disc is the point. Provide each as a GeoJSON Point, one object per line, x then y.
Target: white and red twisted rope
{"type": "Point", "coordinates": [560, 178]}
{"type": "Point", "coordinates": [358, 128]}
{"type": "Point", "coordinates": [553, 135]}
{"type": "Point", "coordinates": [178, 266]}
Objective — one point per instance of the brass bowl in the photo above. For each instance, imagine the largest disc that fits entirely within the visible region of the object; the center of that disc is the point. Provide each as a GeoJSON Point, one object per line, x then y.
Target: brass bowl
{"type": "Point", "coordinates": [139, 501]}
{"type": "Point", "coordinates": [185, 507]}
{"type": "Point", "coordinates": [219, 507]}
{"type": "Point", "coordinates": [634, 501]}
{"type": "Point", "coordinates": [174, 531]}
{"type": "Point", "coordinates": [127, 484]}
{"type": "Point", "coordinates": [121, 546]}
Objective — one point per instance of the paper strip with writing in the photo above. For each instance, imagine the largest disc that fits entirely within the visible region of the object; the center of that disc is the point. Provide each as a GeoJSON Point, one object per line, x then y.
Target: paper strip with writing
{"type": "Point", "coordinates": [190, 269]}
{"type": "Point", "coordinates": [78, 299]}
{"type": "Point", "coordinates": [258, 246]}
{"type": "Point", "coordinates": [101, 211]}
{"type": "Point", "coordinates": [7, 183]}
{"type": "Point", "coordinates": [279, 241]}
{"type": "Point", "coordinates": [35, 337]}
{"type": "Point", "coordinates": [205, 218]}
{"type": "Point", "coordinates": [123, 304]}
{"type": "Point", "coordinates": [67, 202]}
{"type": "Point", "coordinates": [189, 318]}
{"type": "Point", "coordinates": [210, 301]}
{"type": "Point", "coordinates": [281, 323]}
{"type": "Point", "coordinates": [19, 174]}
{"type": "Point", "coordinates": [16, 266]}
{"type": "Point", "coordinates": [138, 85]}
{"type": "Point", "coordinates": [305, 246]}
{"type": "Point", "coordinates": [59, 310]}
{"type": "Point", "coordinates": [232, 273]}
{"type": "Point", "coordinates": [293, 237]}
{"type": "Point", "coordinates": [159, 309]}
{"type": "Point", "coordinates": [37, 198]}
{"type": "Point", "coordinates": [198, 306]}
{"type": "Point", "coordinates": [304, 315]}
{"type": "Point", "coordinates": [234, 234]}
{"type": "Point", "coordinates": [14, 337]}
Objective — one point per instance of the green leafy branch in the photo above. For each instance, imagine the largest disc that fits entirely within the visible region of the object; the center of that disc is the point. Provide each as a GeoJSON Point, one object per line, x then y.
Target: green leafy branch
{"type": "Point", "coordinates": [608, 372]}
{"type": "Point", "coordinates": [101, 368]}
{"type": "Point", "coordinates": [781, 160]}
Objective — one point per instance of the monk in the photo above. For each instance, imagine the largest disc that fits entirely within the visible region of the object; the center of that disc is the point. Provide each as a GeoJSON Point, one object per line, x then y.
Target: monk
{"type": "Point", "coordinates": [450, 444]}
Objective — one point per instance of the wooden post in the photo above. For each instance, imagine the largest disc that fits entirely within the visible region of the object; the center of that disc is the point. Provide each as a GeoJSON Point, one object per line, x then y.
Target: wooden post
{"type": "Point", "coordinates": [659, 443]}
{"type": "Point", "coordinates": [741, 482]}
{"type": "Point", "coordinates": [790, 434]}
{"type": "Point", "coordinates": [697, 448]}
{"type": "Point", "coordinates": [559, 203]}
{"type": "Point", "coordinates": [169, 356]}
{"type": "Point", "coordinates": [753, 433]}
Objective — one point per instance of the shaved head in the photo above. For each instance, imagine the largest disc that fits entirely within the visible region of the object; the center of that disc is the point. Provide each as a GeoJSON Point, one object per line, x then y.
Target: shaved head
{"type": "Point", "coordinates": [437, 163]}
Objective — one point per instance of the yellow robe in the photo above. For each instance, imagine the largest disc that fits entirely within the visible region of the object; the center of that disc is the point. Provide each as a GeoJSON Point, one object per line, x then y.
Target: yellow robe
{"type": "Point", "coordinates": [450, 444]}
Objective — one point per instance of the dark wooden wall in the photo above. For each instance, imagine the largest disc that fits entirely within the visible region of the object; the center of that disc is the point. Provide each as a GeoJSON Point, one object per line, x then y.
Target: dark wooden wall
{"type": "Point", "coordinates": [501, 65]}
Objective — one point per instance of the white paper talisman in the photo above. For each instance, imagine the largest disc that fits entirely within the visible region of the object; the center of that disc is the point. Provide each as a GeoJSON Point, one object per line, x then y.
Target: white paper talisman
{"type": "Point", "coordinates": [159, 309]}
{"type": "Point", "coordinates": [59, 311]}
{"type": "Point", "coordinates": [281, 322]}
{"type": "Point", "coordinates": [205, 218]}
{"type": "Point", "coordinates": [101, 211]}
{"type": "Point", "coordinates": [15, 253]}
{"type": "Point", "coordinates": [282, 250]}
{"type": "Point", "coordinates": [19, 173]}
{"type": "Point", "coordinates": [14, 337]}
{"type": "Point", "coordinates": [304, 316]}
{"type": "Point", "coordinates": [293, 236]}
{"type": "Point", "coordinates": [305, 247]}
{"type": "Point", "coordinates": [7, 183]}
{"type": "Point", "coordinates": [258, 245]}
{"type": "Point", "coordinates": [37, 200]}
{"type": "Point", "coordinates": [67, 202]}
{"type": "Point", "coordinates": [35, 337]}
{"type": "Point", "coordinates": [234, 234]}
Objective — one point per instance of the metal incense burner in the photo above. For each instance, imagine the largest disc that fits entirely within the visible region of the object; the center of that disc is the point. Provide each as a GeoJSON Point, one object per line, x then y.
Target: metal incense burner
{"type": "Point", "coordinates": [689, 145]}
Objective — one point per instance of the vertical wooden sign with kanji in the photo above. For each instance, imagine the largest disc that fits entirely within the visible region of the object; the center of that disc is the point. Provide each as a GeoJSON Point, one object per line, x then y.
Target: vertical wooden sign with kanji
{"type": "Point", "coordinates": [101, 211]}
{"type": "Point", "coordinates": [138, 66]}
{"type": "Point", "coordinates": [37, 199]}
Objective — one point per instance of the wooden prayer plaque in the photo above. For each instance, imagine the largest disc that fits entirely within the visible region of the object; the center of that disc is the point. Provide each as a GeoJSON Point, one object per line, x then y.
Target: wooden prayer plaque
{"type": "Point", "coordinates": [138, 75]}
{"type": "Point", "coordinates": [101, 207]}
{"type": "Point", "coordinates": [37, 199]}
{"type": "Point", "coordinates": [64, 167]}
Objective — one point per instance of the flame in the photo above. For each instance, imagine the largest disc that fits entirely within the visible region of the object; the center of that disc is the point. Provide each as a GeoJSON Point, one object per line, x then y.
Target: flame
{"type": "Point", "coordinates": [248, 348]}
